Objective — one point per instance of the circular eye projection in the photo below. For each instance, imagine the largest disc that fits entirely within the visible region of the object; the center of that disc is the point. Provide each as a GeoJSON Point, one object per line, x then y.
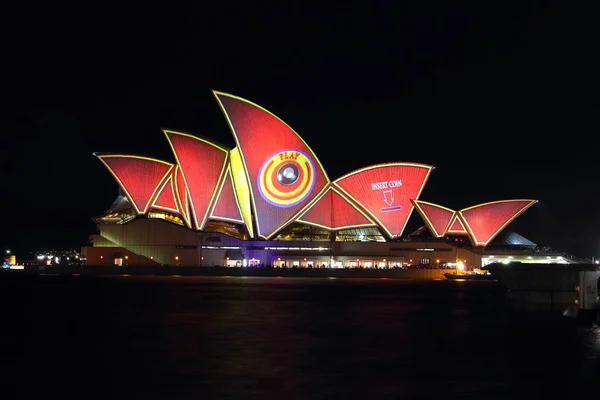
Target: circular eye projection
{"type": "Point", "coordinates": [288, 174]}
{"type": "Point", "coordinates": [286, 178]}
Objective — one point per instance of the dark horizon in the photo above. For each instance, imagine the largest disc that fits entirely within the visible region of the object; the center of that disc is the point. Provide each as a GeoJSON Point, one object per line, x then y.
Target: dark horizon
{"type": "Point", "coordinates": [500, 100]}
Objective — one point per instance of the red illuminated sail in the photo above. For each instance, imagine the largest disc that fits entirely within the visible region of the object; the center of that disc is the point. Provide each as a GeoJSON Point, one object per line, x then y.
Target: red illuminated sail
{"type": "Point", "coordinates": [320, 213]}
{"type": "Point", "coordinates": [435, 216]}
{"type": "Point", "coordinates": [346, 215]}
{"type": "Point", "coordinates": [456, 226]}
{"type": "Point", "coordinates": [485, 221]}
{"type": "Point", "coordinates": [334, 211]}
{"type": "Point", "coordinates": [139, 177]}
{"type": "Point", "coordinates": [283, 172]}
{"type": "Point", "coordinates": [227, 207]}
{"type": "Point", "coordinates": [166, 197]}
{"type": "Point", "coordinates": [203, 164]}
{"type": "Point", "coordinates": [181, 195]}
{"type": "Point", "coordinates": [385, 191]}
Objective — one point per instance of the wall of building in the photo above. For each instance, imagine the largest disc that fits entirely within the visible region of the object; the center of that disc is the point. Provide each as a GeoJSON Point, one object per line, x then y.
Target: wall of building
{"type": "Point", "coordinates": [108, 256]}
{"type": "Point", "coordinates": [161, 241]}
{"type": "Point", "coordinates": [169, 244]}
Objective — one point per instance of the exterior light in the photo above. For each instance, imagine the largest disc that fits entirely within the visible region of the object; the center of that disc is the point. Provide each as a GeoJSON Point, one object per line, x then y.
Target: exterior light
{"type": "Point", "coordinates": [152, 257]}
{"type": "Point", "coordinates": [177, 257]}
{"type": "Point", "coordinates": [384, 260]}
{"type": "Point", "coordinates": [437, 261]}
{"type": "Point", "coordinates": [101, 257]}
{"type": "Point", "coordinates": [126, 257]}
{"type": "Point", "coordinates": [278, 258]}
{"type": "Point", "coordinates": [7, 251]}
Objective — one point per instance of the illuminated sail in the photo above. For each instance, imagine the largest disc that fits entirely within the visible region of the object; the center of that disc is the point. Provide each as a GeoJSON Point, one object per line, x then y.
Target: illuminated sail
{"type": "Point", "coordinates": [139, 177]}
{"type": "Point", "coordinates": [385, 191]}
{"type": "Point", "coordinates": [203, 165]}
{"type": "Point", "coordinates": [485, 221]}
{"type": "Point", "coordinates": [283, 173]}
{"type": "Point", "coordinates": [435, 216]}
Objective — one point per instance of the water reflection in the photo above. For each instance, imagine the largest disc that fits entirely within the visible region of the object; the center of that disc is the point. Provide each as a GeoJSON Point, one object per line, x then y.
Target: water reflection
{"type": "Point", "coordinates": [296, 338]}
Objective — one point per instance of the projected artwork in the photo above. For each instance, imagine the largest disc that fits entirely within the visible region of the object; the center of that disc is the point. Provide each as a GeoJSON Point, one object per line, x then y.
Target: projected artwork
{"type": "Point", "coordinates": [283, 173]}
{"type": "Point", "coordinates": [203, 165]}
{"type": "Point", "coordinates": [334, 211]}
{"type": "Point", "coordinates": [166, 199]}
{"type": "Point", "coordinates": [435, 216]}
{"type": "Point", "coordinates": [227, 207]}
{"type": "Point", "coordinates": [457, 227]}
{"type": "Point", "coordinates": [485, 221]}
{"type": "Point", "coordinates": [385, 191]}
{"type": "Point", "coordinates": [270, 178]}
{"type": "Point", "coordinates": [182, 196]}
{"type": "Point", "coordinates": [139, 177]}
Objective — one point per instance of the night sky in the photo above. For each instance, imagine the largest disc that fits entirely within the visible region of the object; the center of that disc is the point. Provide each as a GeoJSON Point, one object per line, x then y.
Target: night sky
{"type": "Point", "coordinates": [502, 100]}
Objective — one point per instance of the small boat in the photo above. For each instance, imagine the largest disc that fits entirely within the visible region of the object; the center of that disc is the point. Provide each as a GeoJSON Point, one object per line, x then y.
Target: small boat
{"type": "Point", "coordinates": [469, 276]}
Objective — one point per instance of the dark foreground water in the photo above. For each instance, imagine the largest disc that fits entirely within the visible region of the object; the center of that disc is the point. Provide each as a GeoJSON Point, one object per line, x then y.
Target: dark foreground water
{"type": "Point", "coordinates": [134, 337]}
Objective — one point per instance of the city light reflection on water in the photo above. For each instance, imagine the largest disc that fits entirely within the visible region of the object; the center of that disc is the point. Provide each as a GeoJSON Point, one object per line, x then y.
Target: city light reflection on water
{"type": "Point", "coordinates": [159, 337]}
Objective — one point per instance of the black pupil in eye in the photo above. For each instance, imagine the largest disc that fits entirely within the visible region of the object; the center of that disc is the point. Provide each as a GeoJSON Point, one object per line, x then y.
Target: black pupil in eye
{"type": "Point", "coordinates": [287, 174]}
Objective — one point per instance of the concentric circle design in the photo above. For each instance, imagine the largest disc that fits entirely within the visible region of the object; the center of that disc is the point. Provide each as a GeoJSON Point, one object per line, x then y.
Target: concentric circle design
{"type": "Point", "coordinates": [286, 178]}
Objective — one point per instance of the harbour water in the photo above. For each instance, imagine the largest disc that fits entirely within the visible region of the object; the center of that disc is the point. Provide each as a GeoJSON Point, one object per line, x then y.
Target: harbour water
{"type": "Point", "coordinates": [180, 337]}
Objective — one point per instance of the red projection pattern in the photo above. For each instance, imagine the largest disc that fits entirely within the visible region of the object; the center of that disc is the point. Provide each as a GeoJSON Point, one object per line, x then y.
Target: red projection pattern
{"type": "Point", "coordinates": [485, 221]}
{"type": "Point", "coordinates": [435, 216]}
{"type": "Point", "coordinates": [284, 173]}
{"type": "Point", "coordinates": [386, 191]}
{"type": "Point", "coordinates": [345, 215]}
{"type": "Point", "coordinates": [182, 196]}
{"type": "Point", "coordinates": [279, 179]}
{"type": "Point", "coordinates": [457, 227]}
{"type": "Point", "coordinates": [166, 197]}
{"type": "Point", "coordinates": [320, 213]}
{"type": "Point", "coordinates": [203, 165]}
{"type": "Point", "coordinates": [227, 207]}
{"type": "Point", "coordinates": [333, 211]}
{"type": "Point", "coordinates": [139, 177]}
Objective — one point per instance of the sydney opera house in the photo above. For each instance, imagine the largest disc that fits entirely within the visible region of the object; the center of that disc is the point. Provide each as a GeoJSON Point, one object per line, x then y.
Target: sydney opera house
{"type": "Point", "coordinates": [269, 202]}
